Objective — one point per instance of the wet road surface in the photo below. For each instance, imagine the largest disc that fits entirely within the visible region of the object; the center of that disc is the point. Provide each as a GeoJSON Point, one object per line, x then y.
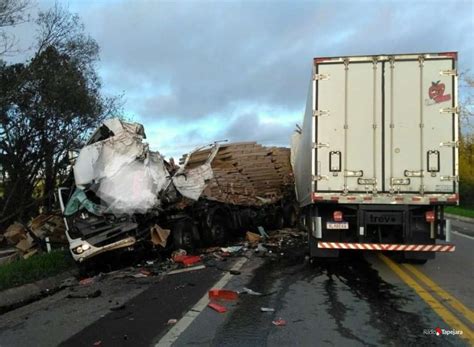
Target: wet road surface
{"type": "Point", "coordinates": [357, 300]}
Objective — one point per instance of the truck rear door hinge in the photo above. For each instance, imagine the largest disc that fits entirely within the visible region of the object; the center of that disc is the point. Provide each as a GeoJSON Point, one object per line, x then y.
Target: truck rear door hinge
{"type": "Point", "coordinates": [319, 113]}
{"type": "Point", "coordinates": [320, 178]}
{"type": "Point", "coordinates": [449, 178]}
{"type": "Point", "coordinates": [449, 110]}
{"type": "Point", "coordinates": [353, 173]}
{"type": "Point", "coordinates": [449, 144]}
{"type": "Point", "coordinates": [413, 173]}
{"type": "Point", "coordinates": [320, 145]}
{"type": "Point", "coordinates": [400, 181]}
{"type": "Point", "coordinates": [320, 77]}
{"type": "Point", "coordinates": [448, 72]}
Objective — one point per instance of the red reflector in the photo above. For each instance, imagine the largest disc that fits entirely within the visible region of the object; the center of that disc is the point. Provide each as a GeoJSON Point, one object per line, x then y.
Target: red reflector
{"type": "Point", "coordinates": [335, 198]}
{"type": "Point", "coordinates": [337, 216]}
{"type": "Point", "coordinates": [430, 216]}
{"type": "Point", "coordinates": [453, 198]}
{"type": "Point", "coordinates": [453, 55]}
{"type": "Point", "coordinates": [399, 198]}
{"type": "Point", "coordinates": [317, 197]}
{"type": "Point", "coordinates": [432, 200]}
{"type": "Point", "coordinates": [320, 60]}
{"type": "Point", "coordinates": [351, 198]}
{"type": "Point", "coordinates": [416, 198]}
{"type": "Point", "coordinates": [367, 198]}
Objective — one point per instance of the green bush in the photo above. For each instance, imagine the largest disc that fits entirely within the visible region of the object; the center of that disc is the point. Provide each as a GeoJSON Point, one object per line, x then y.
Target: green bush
{"type": "Point", "coordinates": [34, 268]}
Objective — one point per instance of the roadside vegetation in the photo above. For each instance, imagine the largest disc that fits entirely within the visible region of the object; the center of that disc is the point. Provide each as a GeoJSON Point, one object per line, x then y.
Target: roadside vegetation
{"type": "Point", "coordinates": [32, 269]}
{"type": "Point", "coordinates": [464, 211]}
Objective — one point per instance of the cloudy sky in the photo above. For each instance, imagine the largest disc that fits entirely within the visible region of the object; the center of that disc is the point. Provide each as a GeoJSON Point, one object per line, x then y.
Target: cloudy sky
{"type": "Point", "coordinates": [198, 71]}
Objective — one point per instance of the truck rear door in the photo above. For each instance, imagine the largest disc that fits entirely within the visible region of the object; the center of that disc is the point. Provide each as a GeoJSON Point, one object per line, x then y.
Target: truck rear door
{"type": "Point", "coordinates": [420, 125]}
{"type": "Point", "coordinates": [385, 124]}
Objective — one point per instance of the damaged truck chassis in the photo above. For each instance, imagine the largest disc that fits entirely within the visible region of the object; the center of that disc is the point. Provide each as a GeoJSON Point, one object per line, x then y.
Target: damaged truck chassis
{"type": "Point", "coordinates": [124, 196]}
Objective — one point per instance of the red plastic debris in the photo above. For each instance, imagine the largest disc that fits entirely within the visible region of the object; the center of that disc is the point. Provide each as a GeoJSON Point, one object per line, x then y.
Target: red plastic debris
{"type": "Point", "coordinates": [217, 307]}
{"type": "Point", "coordinates": [279, 322]}
{"type": "Point", "coordinates": [223, 294]}
{"type": "Point", "coordinates": [187, 259]}
{"type": "Point", "coordinates": [145, 272]}
{"type": "Point", "coordinates": [86, 281]}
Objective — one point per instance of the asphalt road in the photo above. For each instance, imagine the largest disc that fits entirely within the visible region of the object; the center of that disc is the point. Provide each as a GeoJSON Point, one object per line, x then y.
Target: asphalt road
{"type": "Point", "coordinates": [361, 299]}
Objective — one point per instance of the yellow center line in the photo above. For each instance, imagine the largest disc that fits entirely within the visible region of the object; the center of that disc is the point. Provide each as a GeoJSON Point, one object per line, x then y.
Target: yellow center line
{"type": "Point", "coordinates": [443, 312]}
{"type": "Point", "coordinates": [452, 301]}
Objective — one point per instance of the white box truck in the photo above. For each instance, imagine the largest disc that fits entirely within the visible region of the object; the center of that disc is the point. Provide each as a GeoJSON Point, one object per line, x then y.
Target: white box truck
{"type": "Point", "coordinates": [376, 160]}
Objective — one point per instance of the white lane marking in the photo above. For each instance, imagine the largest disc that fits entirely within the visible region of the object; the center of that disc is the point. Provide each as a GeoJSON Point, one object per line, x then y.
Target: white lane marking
{"type": "Point", "coordinates": [463, 235]}
{"type": "Point", "coordinates": [173, 334]}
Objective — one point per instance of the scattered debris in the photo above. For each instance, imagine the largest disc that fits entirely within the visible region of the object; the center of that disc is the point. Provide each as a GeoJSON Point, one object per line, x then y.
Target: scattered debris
{"type": "Point", "coordinates": [8, 255]}
{"type": "Point", "coordinates": [187, 269]}
{"type": "Point", "coordinates": [249, 291]}
{"type": "Point", "coordinates": [187, 260]}
{"type": "Point", "coordinates": [223, 294]}
{"type": "Point", "coordinates": [253, 238]}
{"type": "Point", "coordinates": [217, 307]}
{"type": "Point", "coordinates": [15, 233]}
{"type": "Point", "coordinates": [86, 281]}
{"type": "Point", "coordinates": [231, 249]}
{"type": "Point", "coordinates": [159, 236]}
{"type": "Point", "coordinates": [172, 321]}
{"type": "Point", "coordinates": [262, 232]}
{"type": "Point", "coordinates": [117, 308]}
{"type": "Point", "coordinates": [279, 322]}
{"type": "Point", "coordinates": [267, 309]}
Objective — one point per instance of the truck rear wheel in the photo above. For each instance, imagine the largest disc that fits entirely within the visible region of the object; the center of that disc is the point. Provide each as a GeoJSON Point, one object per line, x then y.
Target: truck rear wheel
{"type": "Point", "coordinates": [290, 216]}
{"type": "Point", "coordinates": [217, 232]}
{"type": "Point", "coordinates": [184, 235]}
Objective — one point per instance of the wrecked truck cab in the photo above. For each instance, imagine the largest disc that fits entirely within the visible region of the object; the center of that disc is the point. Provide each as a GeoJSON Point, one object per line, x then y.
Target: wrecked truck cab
{"type": "Point", "coordinates": [91, 233]}
{"type": "Point", "coordinates": [116, 178]}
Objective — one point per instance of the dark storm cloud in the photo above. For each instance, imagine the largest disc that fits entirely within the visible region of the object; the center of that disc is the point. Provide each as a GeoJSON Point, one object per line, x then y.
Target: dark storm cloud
{"type": "Point", "coordinates": [213, 56]}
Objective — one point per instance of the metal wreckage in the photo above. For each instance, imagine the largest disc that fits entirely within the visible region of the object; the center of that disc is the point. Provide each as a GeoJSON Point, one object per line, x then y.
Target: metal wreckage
{"type": "Point", "coordinates": [124, 195]}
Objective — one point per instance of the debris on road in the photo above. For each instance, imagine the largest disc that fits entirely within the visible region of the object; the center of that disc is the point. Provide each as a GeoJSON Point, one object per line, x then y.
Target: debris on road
{"type": "Point", "coordinates": [253, 238]}
{"type": "Point", "coordinates": [187, 260]}
{"type": "Point", "coordinates": [159, 236]}
{"type": "Point", "coordinates": [249, 291]}
{"type": "Point", "coordinates": [187, 269]}
{"type": "Point", "coordinates": [217, 307]}
{"type": "Point", "coordinates": [267, 309]}
{"type": "Point", "coordinates": [172, 321]}
{"type": "Point", "coordinates": [223, 294]}
{"type": "Point", "coordinates": [279, 322]}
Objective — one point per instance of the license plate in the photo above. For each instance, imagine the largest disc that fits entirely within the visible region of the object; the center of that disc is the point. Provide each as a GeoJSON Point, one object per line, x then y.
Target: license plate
{"type": "Point", "coordinates": [337, 225]}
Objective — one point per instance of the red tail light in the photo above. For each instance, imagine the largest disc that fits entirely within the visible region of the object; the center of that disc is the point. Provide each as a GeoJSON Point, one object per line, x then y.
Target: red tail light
{"type": "Point", "coordinates": [337, 216]}
{"type": "Point", "coordinates": [430, 216]}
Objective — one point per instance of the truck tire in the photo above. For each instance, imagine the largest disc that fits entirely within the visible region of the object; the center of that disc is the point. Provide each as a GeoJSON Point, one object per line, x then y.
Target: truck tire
{"type": "Point", "coordinates": [216, 233]}
{"type": "Point", "coordinates": [290, 215]}
{"type": "Point", "coordinates": [184, 235]}
{"type": "Point", "coordinates": [278, 219]}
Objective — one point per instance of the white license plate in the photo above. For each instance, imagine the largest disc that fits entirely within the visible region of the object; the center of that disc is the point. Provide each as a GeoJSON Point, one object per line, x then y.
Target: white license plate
{"type": "Point", "coordinates": [337, 225]}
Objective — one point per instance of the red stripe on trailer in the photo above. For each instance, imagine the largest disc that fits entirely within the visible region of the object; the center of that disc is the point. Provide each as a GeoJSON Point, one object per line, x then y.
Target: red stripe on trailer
{"type": "Point", "coordinates": [387, 247]}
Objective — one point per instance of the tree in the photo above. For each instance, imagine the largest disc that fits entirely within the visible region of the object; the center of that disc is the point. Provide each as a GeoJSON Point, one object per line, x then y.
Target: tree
{"type": "Point", "coordinates": [12, 13]}
{"type": "Point", "coordinates": [48, 106]}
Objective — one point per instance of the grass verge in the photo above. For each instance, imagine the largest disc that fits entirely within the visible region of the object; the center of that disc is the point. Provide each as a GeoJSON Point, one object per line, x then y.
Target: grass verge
{"type": "Point", "coordinates": [35, 268]}
{"type": "Point", "coordinates": [464, 211]}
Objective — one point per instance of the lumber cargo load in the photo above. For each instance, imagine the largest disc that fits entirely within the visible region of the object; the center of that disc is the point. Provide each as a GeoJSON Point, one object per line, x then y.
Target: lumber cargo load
{"type": "Point", "coordinates": [244, 173]}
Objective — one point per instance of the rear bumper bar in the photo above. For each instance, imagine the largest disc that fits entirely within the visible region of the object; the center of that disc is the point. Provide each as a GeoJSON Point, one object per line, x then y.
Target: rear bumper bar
{"type": "Point", "coordinates": [387, 247]}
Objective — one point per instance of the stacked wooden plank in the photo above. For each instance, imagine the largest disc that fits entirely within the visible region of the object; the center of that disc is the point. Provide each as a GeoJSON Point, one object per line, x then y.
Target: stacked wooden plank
{"type": "Point", "coordinates": [246, 173]}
